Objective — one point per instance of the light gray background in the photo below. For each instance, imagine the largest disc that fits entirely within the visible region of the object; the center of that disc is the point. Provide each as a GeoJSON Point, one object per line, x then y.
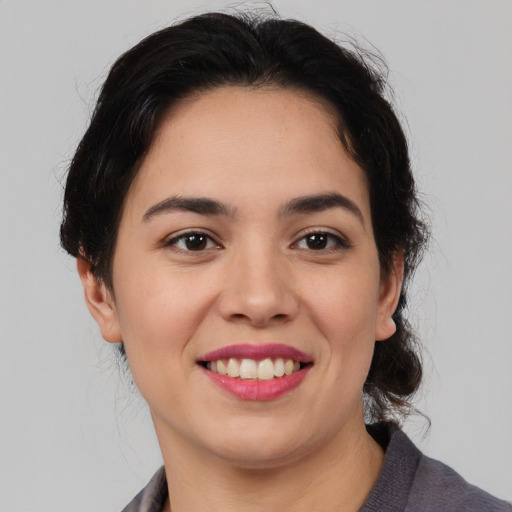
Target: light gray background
{"type": "Point", "coordinates": [73, 437]}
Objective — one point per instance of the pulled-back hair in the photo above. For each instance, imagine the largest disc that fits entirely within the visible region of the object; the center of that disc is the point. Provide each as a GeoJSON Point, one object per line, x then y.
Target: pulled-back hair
{"type": "Point", "coordinates": [215, 50]}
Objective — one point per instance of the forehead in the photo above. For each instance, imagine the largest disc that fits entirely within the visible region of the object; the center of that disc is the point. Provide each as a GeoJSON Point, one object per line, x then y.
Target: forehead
{"type": "Point", "coordinates": [237, 143]}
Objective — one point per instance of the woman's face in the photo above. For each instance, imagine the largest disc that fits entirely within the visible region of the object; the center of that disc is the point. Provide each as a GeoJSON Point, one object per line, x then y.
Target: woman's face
{"type": "Point", "coordinates": [247, 235]}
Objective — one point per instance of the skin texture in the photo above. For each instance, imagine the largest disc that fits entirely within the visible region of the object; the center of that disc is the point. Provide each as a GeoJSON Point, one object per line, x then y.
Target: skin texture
{"type": "Point", "coordinates": [255, 281]}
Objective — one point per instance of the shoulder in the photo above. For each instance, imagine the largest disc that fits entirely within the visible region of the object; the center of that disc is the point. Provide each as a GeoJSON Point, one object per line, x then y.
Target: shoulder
{"type": "Point", "coordinates": [438, 487]}
{"type": "Point", "coordinates": [411, 482]}
{"type": "Point", "coordinates": [152, 498]}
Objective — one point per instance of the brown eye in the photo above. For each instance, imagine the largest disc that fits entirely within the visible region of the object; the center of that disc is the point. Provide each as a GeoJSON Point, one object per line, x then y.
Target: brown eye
{"type": "Point", "coordinates": [320, 241]}
{"type": "Point", "coordinates": [192, 242]}
{"type": "Point", "coordinates": [317, 241]}
{"type": "Point", "coordinates": [196, 242]}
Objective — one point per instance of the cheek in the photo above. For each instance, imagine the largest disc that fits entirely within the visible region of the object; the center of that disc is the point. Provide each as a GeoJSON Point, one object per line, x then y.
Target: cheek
{"type": "Point", "coordinates": [344, 309]}
{"type": "Point", "coordinates": [158, 314]}
{"type": "Point", "coordinates": [344, 306]}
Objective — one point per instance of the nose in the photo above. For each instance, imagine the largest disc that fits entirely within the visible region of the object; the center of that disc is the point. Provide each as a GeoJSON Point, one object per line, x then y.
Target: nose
{"type": "Point", "coordinates": [258, 290]}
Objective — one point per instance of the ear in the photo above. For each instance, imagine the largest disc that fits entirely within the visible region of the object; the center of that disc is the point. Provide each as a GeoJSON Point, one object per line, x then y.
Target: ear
{"type": "Point", "coordinates": [389, 295]}
{"type": "Point", "coordinates": [100, 302]}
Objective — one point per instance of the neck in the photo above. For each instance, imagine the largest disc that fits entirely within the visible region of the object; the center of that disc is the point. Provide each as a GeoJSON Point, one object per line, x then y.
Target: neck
{"type": "Point", "coordinates": [337, 477]}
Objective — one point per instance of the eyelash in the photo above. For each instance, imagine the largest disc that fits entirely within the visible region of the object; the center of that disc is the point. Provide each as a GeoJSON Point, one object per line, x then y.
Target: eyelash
{"type": "Point", "coordinates": [174, 241]}
{"type": "Point", "coordinates": [336, 242]}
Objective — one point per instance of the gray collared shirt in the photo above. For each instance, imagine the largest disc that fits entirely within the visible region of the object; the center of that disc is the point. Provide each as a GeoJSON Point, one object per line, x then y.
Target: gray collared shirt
{"type": "Point", "coordinates": [408, 482]}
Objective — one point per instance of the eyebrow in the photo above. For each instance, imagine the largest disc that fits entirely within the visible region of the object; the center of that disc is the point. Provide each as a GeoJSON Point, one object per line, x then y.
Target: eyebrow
{"type": "Point", "coordinates": [298, 205]}
{"type": "Point", "coordinates": [200, 205]}
{"type": "Point", "coordinates": [319, 203]}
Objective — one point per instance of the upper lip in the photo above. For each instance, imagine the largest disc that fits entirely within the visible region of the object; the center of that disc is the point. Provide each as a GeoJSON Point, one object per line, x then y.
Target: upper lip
{"type": "Point", "coordinates": [257, 352]}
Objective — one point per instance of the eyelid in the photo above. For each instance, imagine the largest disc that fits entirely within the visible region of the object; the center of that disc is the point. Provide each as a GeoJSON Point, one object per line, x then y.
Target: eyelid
{"type": "Point", "coordinates": [171, 240]}
{"type": "Point", "coordinates": [342, 241]}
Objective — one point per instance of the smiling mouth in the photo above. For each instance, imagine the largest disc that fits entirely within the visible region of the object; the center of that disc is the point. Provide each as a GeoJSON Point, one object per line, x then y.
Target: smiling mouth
{"type": "Point", "coordinates": [256, 372]}
{"type": "Point", "coordinates": [253, 369]}
{"type": "Point", "coordinates": [254, 362]}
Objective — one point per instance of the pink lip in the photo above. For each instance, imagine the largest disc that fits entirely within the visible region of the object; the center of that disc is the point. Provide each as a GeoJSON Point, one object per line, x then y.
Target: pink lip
{"type": "Point", "coordinates": [255, 389]}
{"type": "Point", "coordinates": [247, 389]}
{"type": "Point", "coordinates": [257, 352]}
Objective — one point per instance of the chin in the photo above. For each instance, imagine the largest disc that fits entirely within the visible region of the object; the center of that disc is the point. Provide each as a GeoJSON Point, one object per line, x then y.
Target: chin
{"type": "Point", "coordinates": [262, 448]}
{"type": "Point", "coordinates": [258, 457]}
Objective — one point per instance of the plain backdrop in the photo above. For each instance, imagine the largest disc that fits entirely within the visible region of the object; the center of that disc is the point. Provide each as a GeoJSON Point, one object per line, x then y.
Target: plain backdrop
{"type": "Point", "coordinates": [74, 435]}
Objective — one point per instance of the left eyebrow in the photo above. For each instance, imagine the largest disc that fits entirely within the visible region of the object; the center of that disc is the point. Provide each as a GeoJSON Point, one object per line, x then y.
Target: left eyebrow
{"type": "Point", "coordinates": [319, 203]}
{"type": "Point", "coordinates": [200, 205]}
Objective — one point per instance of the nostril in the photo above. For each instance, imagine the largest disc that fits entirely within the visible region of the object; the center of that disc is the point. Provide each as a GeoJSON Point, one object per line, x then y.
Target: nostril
{"type": "Point", "coordinates": [242, 305]}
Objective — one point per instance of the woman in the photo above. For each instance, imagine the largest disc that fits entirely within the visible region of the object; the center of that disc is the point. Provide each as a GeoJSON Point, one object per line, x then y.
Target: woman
{"type": "Point", "coordinates": [245, 224]}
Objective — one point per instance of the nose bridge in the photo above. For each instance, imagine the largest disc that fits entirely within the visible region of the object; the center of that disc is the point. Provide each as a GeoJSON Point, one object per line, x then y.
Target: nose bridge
{"type": "Point", "coordinates": [258, 287]}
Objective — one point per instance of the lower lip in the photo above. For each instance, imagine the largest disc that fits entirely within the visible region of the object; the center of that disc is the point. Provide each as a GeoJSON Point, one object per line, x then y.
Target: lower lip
{"type": "Point", "coordinates": [258, 390]}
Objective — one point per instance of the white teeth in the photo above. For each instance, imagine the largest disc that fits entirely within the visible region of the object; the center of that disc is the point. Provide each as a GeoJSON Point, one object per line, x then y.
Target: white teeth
{"type": "Point", "coordinates": [279, 367]}
{"type": "Point", "coordinates": [221, 367]}
{"type": "Point", "coordinates": [248, 369]}
{"type": "Point", "coordinates": [266, 369]}
{"type": "Point", "coordinates": [233, 367]}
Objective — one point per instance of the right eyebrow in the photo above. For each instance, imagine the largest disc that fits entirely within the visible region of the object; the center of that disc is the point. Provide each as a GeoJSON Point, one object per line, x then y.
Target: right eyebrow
{"type": "Point", "coordinates": [322, 202]}
{"type": "Point", "coordinates": [201, 205]}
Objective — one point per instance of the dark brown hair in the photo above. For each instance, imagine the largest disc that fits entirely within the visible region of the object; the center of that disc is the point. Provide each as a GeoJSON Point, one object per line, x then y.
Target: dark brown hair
{"type": "Point", "coordinates": [213, 50]}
